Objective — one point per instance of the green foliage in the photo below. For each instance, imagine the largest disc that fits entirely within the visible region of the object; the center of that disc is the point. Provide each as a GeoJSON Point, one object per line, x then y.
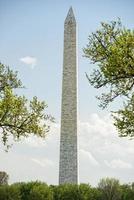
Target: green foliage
{"type": "Point", "coordinates": [9, 193]}
{"type": "Point", "coordinates": [111, 48]}
{"type": "Point", "coordinates": [124, 120]}
{"type": "Point", "coordinates": [8, 78]}
{"type": "Point", "coordinates": [65, 192]}
{"type": "Point", "coordinates": [41, 192]}
{"type": "Point", "coordinates": [3, 178]}
{"type": "Point", "coordinates": [26, 188]}
{"type": "Point", "coordinates": [127, 192]}
{"type": "Point", "coordinates": [75, 192]}
{"type": "Point", "coordinates": [86, 192]}
{"type": "Point", "coordinates": [18, 117]}
{"type": "Point", "coordinates": [34, 190]}
{"type": "Point", "coordinates": [110, 189]}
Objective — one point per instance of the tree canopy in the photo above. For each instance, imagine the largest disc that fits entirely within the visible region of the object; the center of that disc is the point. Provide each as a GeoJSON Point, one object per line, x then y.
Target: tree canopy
{"type": "Point", "coordinates": [108, 189]}
{"type": "Point", "coordinates": [19, 117]}
{"type": "Point", "coordinates": [3, 178]}
{"type": "Point", "coordinates": [111, 49]}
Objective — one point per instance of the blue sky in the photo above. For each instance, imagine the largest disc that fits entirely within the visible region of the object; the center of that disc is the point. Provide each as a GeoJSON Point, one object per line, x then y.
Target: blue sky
{"type": "Point", "coordinates": [31, 39]}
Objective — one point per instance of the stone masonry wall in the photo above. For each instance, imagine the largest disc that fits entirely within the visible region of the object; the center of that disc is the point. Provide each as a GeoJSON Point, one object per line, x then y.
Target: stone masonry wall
{"type": "Point", "coordinates": [68, 141]}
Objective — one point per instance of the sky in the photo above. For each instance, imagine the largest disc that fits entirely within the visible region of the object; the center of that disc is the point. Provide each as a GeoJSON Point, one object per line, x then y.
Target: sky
{"type": "Point", "coordinates": [31, 39]}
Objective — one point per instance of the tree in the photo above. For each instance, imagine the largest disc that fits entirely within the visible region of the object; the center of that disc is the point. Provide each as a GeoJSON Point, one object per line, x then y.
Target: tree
{"type": "Point", "coordinates": [86, 192]}
{"type": "Point", "coordinates": [111, 48]}
{"type": "Point", "coordinates": [41, 192]}
{"type": "Point", "coordinates": [9, 192]}
{"type": "Point", "coordinates": [3, 178]}
{"type": "Point", "coordinates": [127, 192]}
{"type": "Point", "coordinates": [110, 189]}
{"type": "Point", "coordinates": [66, 192]}
{"type": "Point", "coordinates": [19, 117]}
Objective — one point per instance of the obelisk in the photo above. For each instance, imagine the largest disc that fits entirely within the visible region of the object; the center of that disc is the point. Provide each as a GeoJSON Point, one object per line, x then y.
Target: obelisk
{"type": "Point", "coordinates": [68, 138]}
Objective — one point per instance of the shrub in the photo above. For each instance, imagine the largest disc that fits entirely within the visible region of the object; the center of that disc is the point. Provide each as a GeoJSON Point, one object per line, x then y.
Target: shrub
{"type": "Point", "coordinates": [9, 193]}
{"type": "Point", "coordinates": [86, 192]}
{"type": "Point", "coordinates": [66, 192]}
{"type": "Point", "coordinates": [127, 192]}
{"type": "Point", "coordinates": [110, 189]}
{"type": "Point", "coordinates": [41, 192]}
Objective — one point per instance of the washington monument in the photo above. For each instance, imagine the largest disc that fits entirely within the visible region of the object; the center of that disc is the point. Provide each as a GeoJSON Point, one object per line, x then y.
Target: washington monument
{"type": "Point", "coordinates": [68, 138]}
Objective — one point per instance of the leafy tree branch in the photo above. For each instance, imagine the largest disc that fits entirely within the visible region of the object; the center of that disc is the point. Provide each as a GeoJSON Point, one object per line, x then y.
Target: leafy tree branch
{"type": "Point", "coordinates": [111, 48]}
{"type": "Point", "coordinates": [19, 117]}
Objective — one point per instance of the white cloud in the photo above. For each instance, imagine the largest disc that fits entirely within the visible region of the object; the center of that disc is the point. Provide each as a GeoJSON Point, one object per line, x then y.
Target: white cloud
{"type": "Point", "coordinates": [88, 156]}
{"type": "Point", "coordinates": [29, 60]}
{"type": "Point", "coordinates": [35, 142]}
{"type": "Point", "coordinates": [101, 154]}
{"type": "Point", "coordinates": [118, 164]}
{"type": "Point", "coordinates": [43, 162]}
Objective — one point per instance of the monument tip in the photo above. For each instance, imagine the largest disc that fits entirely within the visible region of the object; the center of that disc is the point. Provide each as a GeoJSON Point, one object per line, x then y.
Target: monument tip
{"type": "Point", "coordinates": [70, 16]}
{"type": "Point", "coordinates": [70, 9]}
